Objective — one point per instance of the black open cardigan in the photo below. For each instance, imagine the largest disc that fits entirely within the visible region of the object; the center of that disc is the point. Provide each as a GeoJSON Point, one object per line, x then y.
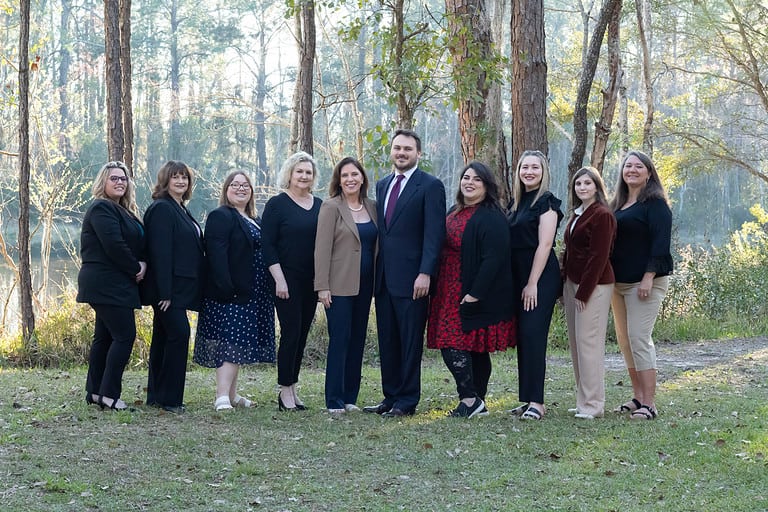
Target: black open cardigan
{"type": "Point", "coordinates": [486, 271]}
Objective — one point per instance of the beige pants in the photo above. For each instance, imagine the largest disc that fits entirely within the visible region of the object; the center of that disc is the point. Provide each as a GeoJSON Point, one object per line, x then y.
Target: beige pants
{"type": "Point", "coordinates": [634, 320]}
{"type": "Point", "coordinates": [586, 334]}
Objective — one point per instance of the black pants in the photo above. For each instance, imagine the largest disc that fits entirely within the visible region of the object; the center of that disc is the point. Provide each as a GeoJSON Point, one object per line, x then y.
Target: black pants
{"type": "Point", "coordinates": [295, 315]}
{"type": "Point", "coordinates": [470, 370]}
{"type": "Point", "coordinates": [533, 331]}
{"type": "Point", "coordinates": [168, 357]}
{"type": "Point", "coordinates": [113, 337]}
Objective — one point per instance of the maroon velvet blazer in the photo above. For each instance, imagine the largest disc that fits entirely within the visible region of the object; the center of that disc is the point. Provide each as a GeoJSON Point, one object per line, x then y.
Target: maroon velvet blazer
{"type": "Point", "coordinates": [588, 248]}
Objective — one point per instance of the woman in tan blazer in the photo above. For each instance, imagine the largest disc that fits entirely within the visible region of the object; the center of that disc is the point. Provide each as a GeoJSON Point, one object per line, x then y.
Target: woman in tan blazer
{"type": "Point", "coordinates": [345, 252]}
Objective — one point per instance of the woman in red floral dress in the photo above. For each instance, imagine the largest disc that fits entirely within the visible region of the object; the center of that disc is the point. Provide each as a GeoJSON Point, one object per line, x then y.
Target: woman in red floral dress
{"type": "Point", "coordinates": [471, 312]}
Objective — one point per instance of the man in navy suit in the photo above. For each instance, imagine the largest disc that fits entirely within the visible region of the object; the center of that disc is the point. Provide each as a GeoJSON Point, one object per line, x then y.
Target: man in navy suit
{"type": "Point", "coordinates": [411, 212]}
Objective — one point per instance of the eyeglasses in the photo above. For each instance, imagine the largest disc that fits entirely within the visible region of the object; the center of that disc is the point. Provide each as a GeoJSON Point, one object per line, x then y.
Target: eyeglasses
{"type": "Point", "coordinates": [239, 186]}
{"type": "Point", "coordinates": [118, 179]}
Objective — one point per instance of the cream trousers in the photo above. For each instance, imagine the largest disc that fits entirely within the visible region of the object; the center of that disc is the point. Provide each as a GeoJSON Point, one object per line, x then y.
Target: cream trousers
{"type": "Point", "coordinates": [586, 335]}
{"type": "Point", "coordinates": [634, 320]}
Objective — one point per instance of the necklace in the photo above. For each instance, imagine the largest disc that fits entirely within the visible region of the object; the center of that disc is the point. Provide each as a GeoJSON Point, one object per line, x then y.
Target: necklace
{"type": "Point", "coordinates": [356, 209]}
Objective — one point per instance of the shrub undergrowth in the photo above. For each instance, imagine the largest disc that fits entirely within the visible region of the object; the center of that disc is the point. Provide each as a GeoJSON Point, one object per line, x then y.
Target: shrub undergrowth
{"type": "Point", "coordinates": [719, 292]}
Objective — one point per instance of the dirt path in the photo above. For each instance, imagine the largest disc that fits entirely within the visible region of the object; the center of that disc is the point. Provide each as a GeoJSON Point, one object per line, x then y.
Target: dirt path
{"type": "Point", "coordinates": [675, 357]}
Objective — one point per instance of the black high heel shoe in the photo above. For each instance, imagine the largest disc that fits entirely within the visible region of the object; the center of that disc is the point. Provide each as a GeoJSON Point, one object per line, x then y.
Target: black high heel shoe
{"type": "Point", "coordinates": [90, 401]}
{"type": "Point", "coordinates": [281, 406]}
{"type": "Point", "coordinates": [113, 406]}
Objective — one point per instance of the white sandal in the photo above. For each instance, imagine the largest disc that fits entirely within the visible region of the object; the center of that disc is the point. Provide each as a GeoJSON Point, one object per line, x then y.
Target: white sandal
{"type": "Point", "coordinates": [222, 403]}
{"type": "Point", "coordinates": [241, 401]}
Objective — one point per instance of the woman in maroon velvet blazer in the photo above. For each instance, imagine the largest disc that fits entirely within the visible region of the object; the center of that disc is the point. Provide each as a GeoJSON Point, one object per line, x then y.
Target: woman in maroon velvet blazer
{"type": "Point", "coordinates": [589, 279]}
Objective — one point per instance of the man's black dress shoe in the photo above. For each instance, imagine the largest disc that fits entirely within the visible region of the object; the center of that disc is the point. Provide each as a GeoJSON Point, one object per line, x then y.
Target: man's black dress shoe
{"type": "Point", "coordinates": [175, 409]}
{"type": "Point", "coordinates": [378, 408]}
{"type": "Point", "coordinates": [396, 413]}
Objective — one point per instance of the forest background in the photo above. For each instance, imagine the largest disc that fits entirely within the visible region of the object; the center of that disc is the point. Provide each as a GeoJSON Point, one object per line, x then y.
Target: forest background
{"type": "Point", "coordinates": [242, 84]}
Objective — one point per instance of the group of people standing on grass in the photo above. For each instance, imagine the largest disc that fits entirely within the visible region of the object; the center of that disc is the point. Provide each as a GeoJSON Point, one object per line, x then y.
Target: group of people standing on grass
{"type": "Point", "coordinates": [479, 279]}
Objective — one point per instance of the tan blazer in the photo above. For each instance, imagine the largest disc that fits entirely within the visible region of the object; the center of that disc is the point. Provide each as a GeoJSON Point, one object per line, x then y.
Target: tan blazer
{"type": "Point", "coordinates": [337, 247]}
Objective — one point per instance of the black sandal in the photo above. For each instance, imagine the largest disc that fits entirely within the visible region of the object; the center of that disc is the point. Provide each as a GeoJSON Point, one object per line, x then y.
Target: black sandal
{"type": "Point", "coordinates": [644, 412]}
{"type": "Point", "coordinates": [630, 406]}
{"type": "Point", "coordinates": [519, 410]}
{"type": "Point", "coordinates": [532, 413]}
{"type": "Point", "coordinates": [113, 405]}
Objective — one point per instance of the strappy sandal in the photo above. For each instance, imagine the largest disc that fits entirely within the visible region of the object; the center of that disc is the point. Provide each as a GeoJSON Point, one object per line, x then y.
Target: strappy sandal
{"type": "Point", "coordinates": [531, 413]}
{"type": "Point", "coordinates": [116, 405]}
{"type": "Point", "coordinates": [519, 410]}
{"type": "Point", "coordinates": [644, 412]}
{"type": "Point", "coordinates": [630, 406]}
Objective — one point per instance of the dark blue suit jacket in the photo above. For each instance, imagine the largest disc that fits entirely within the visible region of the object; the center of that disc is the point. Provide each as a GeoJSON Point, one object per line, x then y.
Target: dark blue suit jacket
{"type": "Point", "coordinates": [176, 256]}
{"type": "Point", "coordinates": [410, 245]}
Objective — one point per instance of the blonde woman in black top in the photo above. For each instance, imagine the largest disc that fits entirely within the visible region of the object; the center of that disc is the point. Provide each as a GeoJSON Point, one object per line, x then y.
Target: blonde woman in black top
{"type": "Point", "coordinates": [113, 264]}
{"type": "Point", "coordinates": [290, 227]}
{"type": "Point", "coordinates": [533, 219]}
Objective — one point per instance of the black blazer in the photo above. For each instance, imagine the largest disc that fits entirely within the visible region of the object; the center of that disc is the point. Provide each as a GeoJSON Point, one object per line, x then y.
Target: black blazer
{"type": "Point", "coordinates": [229, 250]}
{"type": "Point", "coordinates": [176, 255]}
{"type": "Point", "coordinates": [411, 244]}
{"type": "Point", "coordinates": [111, 246]}
{"type": "Point", "coordinates": [485, 270]}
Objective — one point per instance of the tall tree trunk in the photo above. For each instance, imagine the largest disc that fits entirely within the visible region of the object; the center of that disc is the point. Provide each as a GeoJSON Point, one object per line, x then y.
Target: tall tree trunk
{"type": "Point", "coordinates": [114, 80]}
{"type": "Point", "coordinates": [260, 118]}
{"type": "Point", "coordinates": [65, 59]}
{"type": "Point", "coordinates": [643, 29]}
{"type": "Point", "coordinates": [623, 123]}
{"type": "Point", "coordinates": [301, 128]}
{"type": "Point", "coordinates": [472, 49]}
{"type": "Point", "coordinates": [25, 272]}
{"type": "Point", "coordinates": [499, 162]}
{"type": "Point", "coordinates": [174, 136]}
{"type": "Point", "coordinates": [529, 78]}
{"type": "Point", "coordinates": [588, 68]}
{"type": "Point", "coordinates": [126, 75]}
{"type": "Point", "coordinates": [404, 110]}
{"type": "Point", "coordinates": [610, 93]}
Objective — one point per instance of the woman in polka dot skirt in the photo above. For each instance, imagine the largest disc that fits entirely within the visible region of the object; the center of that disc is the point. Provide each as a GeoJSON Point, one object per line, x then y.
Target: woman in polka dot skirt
{"type": "Point", "coordinates": [237, 324]}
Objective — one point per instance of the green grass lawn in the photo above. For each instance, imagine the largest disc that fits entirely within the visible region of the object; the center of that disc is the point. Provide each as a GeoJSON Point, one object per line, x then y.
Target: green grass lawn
{"type": "Point", "coordinates": [705, 452]}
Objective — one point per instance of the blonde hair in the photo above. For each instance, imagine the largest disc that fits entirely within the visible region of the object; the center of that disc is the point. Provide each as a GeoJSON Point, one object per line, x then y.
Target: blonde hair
{"type": "Point", "coordinates": [517, 185]}
{"type": "Point", "coordinates": [98, 190]}
{"type": "Point", "coordinates": [284, 178]}
{"type": "Point", "coordinates": [250, 206]}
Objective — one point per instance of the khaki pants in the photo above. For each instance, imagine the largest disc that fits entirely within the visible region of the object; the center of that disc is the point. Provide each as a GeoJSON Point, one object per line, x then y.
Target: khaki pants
{"type": "Point", "coordinates": [586, 334]}
{"type": "Point", "coordinates": [634, 320]}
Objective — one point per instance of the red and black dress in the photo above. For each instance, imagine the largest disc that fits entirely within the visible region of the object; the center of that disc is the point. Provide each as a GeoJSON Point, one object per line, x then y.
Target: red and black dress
{"type": "Point", "coordinates": [445, 325]}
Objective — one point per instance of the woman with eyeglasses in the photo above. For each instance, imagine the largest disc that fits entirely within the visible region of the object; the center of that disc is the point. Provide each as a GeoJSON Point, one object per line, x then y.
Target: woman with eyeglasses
{"type": "Point", "coordinates": [290, 226]}
{"type": "Point", "coordinates": [237, 323]}
{"type": "Point", "coordinates": [112, 265]}
{"type": "Point", "coordinates": [173, 284]}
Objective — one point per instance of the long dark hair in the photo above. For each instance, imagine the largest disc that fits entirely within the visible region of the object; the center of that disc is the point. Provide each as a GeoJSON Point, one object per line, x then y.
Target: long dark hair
{"type": "Point", "coordinates": [652, 189]}
{"type": "Point", "coordinates": [491, 198]}
{"type": "Point", "coordinates": [594, 175]}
